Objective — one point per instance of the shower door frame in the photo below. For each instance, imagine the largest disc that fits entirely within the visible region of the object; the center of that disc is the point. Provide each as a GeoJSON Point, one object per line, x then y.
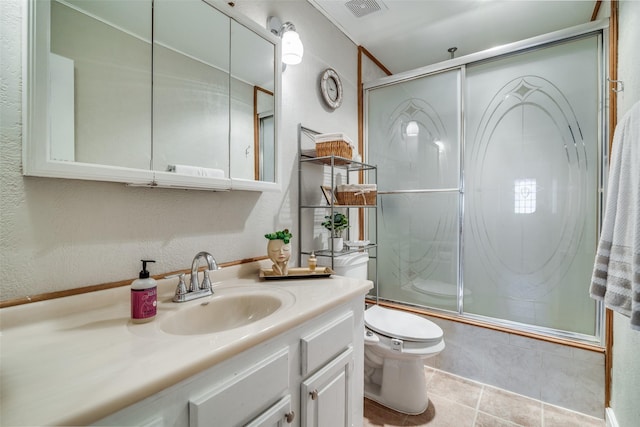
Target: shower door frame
{"type": "Point", "coordinates": [595, 28]}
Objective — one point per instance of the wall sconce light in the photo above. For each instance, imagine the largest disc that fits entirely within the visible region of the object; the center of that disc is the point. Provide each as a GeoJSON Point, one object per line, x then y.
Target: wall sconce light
{"type": "Point", "coordinates": [292, 49]}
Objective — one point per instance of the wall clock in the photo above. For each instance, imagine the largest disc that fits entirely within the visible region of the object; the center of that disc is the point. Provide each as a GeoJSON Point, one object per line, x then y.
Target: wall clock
{"type": "Point", "coordinates": [331, 88]}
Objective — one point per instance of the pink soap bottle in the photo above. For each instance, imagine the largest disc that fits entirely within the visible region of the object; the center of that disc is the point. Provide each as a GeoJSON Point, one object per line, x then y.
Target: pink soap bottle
{"type": "Point", "coordinates": [144, 296]}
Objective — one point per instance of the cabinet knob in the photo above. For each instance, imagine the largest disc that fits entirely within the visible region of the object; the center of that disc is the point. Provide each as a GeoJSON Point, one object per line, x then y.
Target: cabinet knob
{"type": "Point", "coordinates": [289, 416]}
{"type": "Point", "coordinates": [314, 394]}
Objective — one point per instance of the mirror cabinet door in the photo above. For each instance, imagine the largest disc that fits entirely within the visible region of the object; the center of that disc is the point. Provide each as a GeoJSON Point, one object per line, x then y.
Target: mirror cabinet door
{"type": "Point", "coordinates": [190, 88]}
{"type": "Point", "coordinates": [252, 138]}
{"type": "Point", "coordinates": [100, 82]}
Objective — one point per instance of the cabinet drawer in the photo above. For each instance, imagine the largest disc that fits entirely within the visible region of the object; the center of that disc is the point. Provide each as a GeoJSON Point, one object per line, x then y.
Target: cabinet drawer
{"type": "Point", "coordinates": [325, 343]}
{"type": "Point", "coordinates": [243, 397]}
{"type": "Point", "coordinates": [279, 415]}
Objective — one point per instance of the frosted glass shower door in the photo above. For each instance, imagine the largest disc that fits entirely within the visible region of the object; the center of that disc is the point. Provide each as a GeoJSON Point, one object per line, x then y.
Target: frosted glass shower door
{"type": "Point", "coordinates": [531, 168]}
{"type": "Point", "coordinates": [414, 139]}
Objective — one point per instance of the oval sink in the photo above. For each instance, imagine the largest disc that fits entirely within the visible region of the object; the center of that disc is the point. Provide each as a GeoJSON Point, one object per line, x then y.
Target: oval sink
{"type": "Point", "coordinates": [224, 312]}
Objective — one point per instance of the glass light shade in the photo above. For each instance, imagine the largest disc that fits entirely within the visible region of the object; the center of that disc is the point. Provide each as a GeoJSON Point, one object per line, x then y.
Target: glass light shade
{"type": "Point", "coordinates": [292, 49]}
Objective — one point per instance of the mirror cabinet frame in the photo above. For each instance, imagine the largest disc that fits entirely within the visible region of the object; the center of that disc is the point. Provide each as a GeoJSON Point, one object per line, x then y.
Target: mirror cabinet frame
{"type": "Point", "coordinates": [36, 117]}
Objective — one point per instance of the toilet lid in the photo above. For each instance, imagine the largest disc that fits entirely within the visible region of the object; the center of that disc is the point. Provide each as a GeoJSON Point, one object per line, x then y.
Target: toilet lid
{"type": "Point", "coordinates": [401, 325]}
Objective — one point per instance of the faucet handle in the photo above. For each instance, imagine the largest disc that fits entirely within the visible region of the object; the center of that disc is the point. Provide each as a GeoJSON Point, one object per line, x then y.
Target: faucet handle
{"type": "Point", "coordinates": [182, 287]}
{"type": "Point", "coordinates": [206, 281]}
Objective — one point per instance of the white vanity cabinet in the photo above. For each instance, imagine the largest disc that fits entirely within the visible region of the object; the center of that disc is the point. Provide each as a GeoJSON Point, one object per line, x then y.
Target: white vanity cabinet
{"type": "Point", "coordinates": [310, 375]}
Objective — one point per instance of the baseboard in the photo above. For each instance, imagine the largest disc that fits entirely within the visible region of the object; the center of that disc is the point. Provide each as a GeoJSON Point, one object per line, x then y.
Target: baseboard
{"type": "Point", "coordinates": [610, 418]}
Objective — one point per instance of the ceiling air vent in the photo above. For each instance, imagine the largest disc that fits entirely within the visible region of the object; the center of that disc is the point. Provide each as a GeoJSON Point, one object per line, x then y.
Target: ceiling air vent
{"type": "Point", "coordinates": [361, 8]}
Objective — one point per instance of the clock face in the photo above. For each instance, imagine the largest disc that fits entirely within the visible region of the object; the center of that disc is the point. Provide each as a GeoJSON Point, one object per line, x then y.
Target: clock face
{"type": "Point", "coordinates": [331, 88]}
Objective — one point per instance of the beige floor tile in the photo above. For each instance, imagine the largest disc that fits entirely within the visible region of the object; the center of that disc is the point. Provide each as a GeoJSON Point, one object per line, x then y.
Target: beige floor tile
{"type": "Point", "coordinates": [559, 417]}
{"type": "Point", "coordinates": [454, 388]}
{"type": "Point", "coordinates": [486, 420]}
{"type": "Point", "coordinates": [511, 407]}
{"type": "Point", "coordinates": [443, 412]}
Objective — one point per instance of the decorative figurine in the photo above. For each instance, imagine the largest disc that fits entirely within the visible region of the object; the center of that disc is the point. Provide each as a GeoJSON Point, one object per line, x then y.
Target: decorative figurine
{"type": "Point", "coordinates": [279, 251]}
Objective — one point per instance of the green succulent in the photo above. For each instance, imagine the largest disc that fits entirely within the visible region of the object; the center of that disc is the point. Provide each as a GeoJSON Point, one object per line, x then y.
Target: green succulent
{"type": "Point", "coordinates": [336, 224]}
{"type": "Point", "coordinates": [283, 235]}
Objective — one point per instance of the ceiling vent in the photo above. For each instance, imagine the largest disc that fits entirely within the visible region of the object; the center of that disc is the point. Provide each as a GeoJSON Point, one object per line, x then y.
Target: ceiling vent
{"type": "Point", "coordinates": [362, 8]}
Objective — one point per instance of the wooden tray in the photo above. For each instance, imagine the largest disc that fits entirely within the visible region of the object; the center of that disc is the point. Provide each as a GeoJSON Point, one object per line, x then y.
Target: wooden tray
{"type": "Point", "coordinates": [297, 273]}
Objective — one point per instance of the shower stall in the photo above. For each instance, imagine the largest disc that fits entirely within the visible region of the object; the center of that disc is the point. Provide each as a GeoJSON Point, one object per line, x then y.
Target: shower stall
{"type": "Point", "coordinates": [490, 170]}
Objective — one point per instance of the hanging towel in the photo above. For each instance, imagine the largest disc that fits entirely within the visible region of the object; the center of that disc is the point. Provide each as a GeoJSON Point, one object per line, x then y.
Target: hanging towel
{"type": "Point", "coordinates": [616, 273]}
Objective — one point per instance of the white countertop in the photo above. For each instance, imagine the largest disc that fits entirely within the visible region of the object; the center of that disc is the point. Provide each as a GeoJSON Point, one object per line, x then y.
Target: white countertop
{"type": "Point", "coordinates": [75, 360]}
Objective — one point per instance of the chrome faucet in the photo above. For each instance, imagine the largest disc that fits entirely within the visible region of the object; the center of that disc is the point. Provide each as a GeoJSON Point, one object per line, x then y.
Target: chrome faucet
{"type": "Point", "coordinates": [196, 289]}
{"type": "Point", "coordinates": [211, 265]}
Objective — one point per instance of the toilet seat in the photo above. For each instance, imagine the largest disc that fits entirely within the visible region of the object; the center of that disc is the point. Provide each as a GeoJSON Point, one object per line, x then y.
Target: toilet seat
{"type": "Point", "coordinates": [400, 325]}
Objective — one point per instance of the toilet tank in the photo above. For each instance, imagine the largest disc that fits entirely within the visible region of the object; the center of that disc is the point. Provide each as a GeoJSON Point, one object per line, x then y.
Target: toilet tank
{"type": "Point", "coordinates": [353, 265]}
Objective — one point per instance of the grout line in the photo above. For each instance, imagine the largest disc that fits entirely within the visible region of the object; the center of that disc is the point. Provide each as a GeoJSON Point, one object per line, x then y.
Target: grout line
{"type": "Point", "coordinates": [475, 415]}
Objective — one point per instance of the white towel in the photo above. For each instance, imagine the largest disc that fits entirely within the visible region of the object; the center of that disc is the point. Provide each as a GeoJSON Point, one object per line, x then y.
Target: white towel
{"type": "Point", "coordinates": [361, 188]}
{"type": "Point", "coordinates": [616, 273]}
{"type": "Point", "coordinates": [325, 137]}
{"type": "Point", "coordinates": [196, 171]}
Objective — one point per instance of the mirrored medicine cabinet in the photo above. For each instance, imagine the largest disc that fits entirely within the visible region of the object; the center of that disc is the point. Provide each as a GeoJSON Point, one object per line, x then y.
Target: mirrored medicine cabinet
{"type": "Point", "coordinates": [170, 93]}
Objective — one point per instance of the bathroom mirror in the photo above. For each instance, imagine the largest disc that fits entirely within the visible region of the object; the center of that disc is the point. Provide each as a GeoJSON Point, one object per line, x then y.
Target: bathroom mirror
{"type": "Point", "coordinates": [100, 57]}
{"type": "Point", "coordinates": [252, 86]}
{"type": "Point", "coordinates": [107, 101]}
{"type": "Point", "coordinates": [190, 89]}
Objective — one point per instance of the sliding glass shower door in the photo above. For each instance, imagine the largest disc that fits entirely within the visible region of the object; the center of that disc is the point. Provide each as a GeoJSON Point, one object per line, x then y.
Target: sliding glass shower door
{"type": "Point", "coordinates": [531, 180]}
{"type": "Point", "coordinates": [488, 175]}
{"type": "Point", "coordinates": [414, 138]}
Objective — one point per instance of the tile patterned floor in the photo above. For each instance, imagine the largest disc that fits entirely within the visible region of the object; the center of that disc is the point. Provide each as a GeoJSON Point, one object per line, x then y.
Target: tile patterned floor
{"type": "Point", "coordinates": [457, 402]}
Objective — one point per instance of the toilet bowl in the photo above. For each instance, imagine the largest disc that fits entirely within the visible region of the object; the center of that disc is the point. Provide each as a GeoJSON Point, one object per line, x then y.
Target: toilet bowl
{"type": "Point", "coordinates": [396, 344]}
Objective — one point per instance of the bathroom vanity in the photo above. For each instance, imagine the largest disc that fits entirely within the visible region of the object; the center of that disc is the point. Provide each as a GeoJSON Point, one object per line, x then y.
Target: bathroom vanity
{"type": "Point", "coordinates": [79, 360]}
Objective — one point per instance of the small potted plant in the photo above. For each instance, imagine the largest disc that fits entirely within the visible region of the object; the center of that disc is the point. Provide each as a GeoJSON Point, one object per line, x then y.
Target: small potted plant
{"type": "Point", "coordinates": [336, 224]}
{"type": "Point", "coordinates": [279, 251]}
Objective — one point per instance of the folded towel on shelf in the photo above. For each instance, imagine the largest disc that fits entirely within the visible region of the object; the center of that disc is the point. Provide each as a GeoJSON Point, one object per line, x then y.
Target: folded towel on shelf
{"type": "Point", "coordinates": [196, 171]}
{"type": "Point", "coordinates": [358, 188]}
{"type": "Point", "coordinates": [616, 273]}
{"type": "Point", "coordinates": [326, 137]}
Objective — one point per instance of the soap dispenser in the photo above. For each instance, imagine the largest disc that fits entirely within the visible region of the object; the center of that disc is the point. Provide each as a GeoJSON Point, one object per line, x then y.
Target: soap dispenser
{"type": "Point", "coordinates": [144, 296]}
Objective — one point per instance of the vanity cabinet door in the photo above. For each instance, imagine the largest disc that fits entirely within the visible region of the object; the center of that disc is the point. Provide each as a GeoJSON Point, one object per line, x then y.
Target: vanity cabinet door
{"type": "Point", "coordinates": [326, 395]}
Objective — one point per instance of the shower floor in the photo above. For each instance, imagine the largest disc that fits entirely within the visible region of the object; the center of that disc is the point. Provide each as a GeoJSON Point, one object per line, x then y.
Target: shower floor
{"type": "Point", "coordinates": [458, 402]}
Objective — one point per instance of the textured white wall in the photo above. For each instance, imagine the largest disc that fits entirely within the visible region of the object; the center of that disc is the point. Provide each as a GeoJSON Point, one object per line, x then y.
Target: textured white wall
{"type": "Point", "coordinates": [58, 234]}
{"type": "Point", "coordinates": [625, 390]}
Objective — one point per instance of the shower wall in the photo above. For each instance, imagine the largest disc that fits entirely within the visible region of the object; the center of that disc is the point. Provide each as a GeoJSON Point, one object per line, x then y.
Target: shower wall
{"type": "Point", "coordinates": [557, 374]}
{"type": "Point", "coordinates": [488, 183]}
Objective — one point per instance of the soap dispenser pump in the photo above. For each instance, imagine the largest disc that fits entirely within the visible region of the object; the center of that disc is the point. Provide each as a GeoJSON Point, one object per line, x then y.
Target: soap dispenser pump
{"type": "Point", "coordinates": [144, 296]}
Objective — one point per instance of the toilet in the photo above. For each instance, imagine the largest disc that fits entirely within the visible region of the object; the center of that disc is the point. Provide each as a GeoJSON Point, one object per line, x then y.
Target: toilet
{"type": "Point", "coordinates": [396, 344]}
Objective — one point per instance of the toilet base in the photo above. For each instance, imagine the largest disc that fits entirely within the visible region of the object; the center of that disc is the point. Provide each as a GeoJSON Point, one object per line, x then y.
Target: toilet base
{"type": "Point", "coordinates": [399, 385]}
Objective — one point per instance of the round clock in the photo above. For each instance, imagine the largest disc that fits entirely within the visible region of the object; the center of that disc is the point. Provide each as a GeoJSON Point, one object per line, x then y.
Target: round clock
{"type": "Point", "coordinates": [331, 88]}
